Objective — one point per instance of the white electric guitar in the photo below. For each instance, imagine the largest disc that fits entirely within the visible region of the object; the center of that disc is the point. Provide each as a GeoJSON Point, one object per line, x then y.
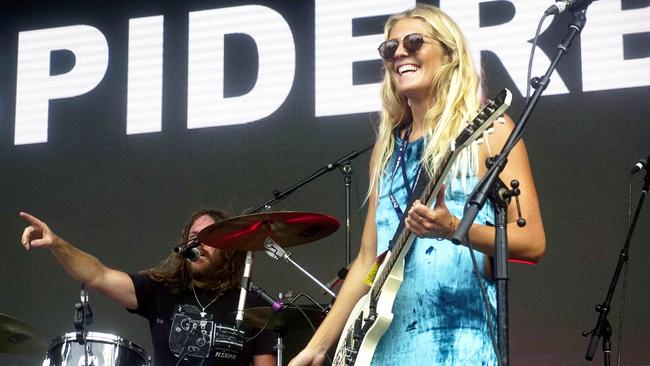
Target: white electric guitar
{"type": "Point", "coordinates": [373, 314]}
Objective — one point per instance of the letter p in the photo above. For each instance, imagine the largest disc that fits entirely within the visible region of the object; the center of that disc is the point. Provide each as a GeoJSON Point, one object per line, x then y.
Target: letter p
{"type": "Point", "coordinates": [35, 87]}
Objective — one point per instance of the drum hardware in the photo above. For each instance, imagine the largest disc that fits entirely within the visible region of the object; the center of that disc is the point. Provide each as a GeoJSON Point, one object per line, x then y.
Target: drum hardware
{"type": "Point", "coordinates": [289, 317]}
{"type": "Point", "coordinates": [83, 317]}
{"type": "Point", "coordinates": [292, 317]}
{"type": "Point", "coordinates": [19, 337]}
{"type": "Point", "coordinates": [276, 252]}
{"type": "Point", "coordinates": [260, 231]}
{"type": "Point", "coordinates": [271, 230]}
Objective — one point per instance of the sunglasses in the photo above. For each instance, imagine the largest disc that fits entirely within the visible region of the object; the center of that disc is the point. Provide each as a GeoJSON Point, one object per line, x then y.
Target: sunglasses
{"type": "Point", "coordinates": [411, 42]}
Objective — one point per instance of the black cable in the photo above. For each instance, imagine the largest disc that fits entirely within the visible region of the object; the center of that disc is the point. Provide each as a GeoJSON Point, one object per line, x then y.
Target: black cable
{"type": "Point", "coordinates": [268, 321]}
{"type": "Point", "coordinates": [185, 351]}
{"type": "Point", "coordinates": [302, 294]}
{"type": "Point", "coordinates": [532, 56]}
{"type": "Point", "coordinates": [486, 302]}
{"type": "Point", "coordinates": [181, 356]}
{"type": "Point", "coordinates": [311, 324]}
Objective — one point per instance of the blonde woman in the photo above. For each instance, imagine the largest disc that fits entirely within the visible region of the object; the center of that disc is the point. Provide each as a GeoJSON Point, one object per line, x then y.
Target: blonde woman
{"type": "Point", "coordinates": [430, 89]}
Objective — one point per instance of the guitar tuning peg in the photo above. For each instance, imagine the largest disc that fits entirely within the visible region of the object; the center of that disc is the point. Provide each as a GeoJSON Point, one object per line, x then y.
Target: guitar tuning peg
{"type": "Point", "coordinates": [501, 120]}
{"type": "Point", "coordinates": [479, 140]}
{"type": "Point", "coordinates": [490, 130]}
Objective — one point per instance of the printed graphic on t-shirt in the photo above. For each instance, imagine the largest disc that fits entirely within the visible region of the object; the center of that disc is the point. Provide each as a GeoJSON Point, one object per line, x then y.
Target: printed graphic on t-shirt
{"type": "Point", "coordinates": [192, 335]}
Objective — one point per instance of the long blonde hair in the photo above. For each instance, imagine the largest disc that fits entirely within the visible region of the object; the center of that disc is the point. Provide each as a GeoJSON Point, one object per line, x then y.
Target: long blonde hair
{"type": "Point", "coordinates": [456, 87]}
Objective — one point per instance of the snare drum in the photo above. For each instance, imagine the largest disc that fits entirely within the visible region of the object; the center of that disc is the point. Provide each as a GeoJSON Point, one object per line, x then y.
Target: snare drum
{"type": "Point", "coordinates": [102, 350]}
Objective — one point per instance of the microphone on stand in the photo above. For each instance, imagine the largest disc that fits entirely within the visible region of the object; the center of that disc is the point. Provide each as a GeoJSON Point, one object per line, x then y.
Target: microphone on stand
{"type": "Point", "coordinates": [83, 315]}
{"type": "Point", "coordinates": [245, 284]}
{"type": "Point", "coordinates": [276, 305]}
{"type": "Point", "coordinates": [563, 5]}
{"type": "Point", "coordinates": [641, 164]}
{"type": "Point", "coordinates": [189, 249]}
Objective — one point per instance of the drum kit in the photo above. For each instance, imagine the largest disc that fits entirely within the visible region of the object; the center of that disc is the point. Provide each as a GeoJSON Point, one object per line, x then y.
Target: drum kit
{"type": "Point", "coordinates": [272, 232]}
{"type": "Point", "coordinates": [268, 231]}
{"type": "Point", "coordinates": [258, 230]}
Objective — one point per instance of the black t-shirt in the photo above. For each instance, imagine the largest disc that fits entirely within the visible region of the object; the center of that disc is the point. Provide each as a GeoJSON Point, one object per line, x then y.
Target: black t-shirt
{"type": "Point", "coordinates": [195, 337]}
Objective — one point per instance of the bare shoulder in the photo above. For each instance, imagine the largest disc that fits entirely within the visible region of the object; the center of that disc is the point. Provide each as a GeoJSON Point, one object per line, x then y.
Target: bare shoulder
{"type": "Point", "coordinates": [500, 133]}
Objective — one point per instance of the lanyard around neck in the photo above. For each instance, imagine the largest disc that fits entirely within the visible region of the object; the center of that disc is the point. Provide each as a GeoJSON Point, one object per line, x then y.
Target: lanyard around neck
{"type": "Point", "coordinates": [400, 164]}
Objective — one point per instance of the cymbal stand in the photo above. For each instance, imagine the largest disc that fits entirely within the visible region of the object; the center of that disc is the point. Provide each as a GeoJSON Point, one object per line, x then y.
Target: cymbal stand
{"type": "Point", "coordinates": [279, 348]}
{"type": "Point", "coordinates": [344, 165]}
{"type": "Point", "coordinates": [277, 252]}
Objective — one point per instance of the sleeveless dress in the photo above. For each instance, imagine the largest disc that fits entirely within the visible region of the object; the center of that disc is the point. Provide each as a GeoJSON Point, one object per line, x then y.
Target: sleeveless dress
{"type": "Point", "coordinates": [439, 314]}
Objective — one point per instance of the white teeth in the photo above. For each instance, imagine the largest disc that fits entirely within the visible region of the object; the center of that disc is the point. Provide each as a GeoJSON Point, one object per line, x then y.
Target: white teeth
{"type": "Point", "coordinates": [405, 68]}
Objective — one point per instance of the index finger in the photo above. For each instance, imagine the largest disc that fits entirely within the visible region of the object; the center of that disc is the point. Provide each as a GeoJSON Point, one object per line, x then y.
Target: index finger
{"type": "Point", "coordinates": [31, 219]}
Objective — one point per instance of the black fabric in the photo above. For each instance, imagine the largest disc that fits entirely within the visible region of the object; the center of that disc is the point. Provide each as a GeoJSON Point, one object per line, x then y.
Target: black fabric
{"type": "Point", "coordinates": [163, 309]}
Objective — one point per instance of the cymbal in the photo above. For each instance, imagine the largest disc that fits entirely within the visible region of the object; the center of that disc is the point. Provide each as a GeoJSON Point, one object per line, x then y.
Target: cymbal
{"type": "Point", "coordinates": [290, 318]}
{"type": "Point", "coordinates": [287, 228]}
{"type": "Point", "coordinates": [19, 337]}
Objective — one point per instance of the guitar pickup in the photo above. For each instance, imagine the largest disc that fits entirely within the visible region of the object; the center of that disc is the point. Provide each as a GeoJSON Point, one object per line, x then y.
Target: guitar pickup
{"type": "Point", "coordinates": [356, 330]}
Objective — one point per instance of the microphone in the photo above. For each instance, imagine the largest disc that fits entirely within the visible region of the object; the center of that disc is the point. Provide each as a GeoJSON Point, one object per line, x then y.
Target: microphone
{"type": "Point", "coordinates": [275, 304]}
{"type": "Point", "coordinates": [245, 284]}
{"type": "Point", "coordinates": [563, 5]}
{"type": "Point", "coordinates": [83, 295]}
{"type": "Point", "coordinates": [189, 250]}
{"type": "Point", "coordinates": [641, 164]}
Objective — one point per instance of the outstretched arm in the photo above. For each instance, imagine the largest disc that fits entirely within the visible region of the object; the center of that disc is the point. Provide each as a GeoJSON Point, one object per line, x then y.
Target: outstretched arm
{"type": "Point", "coordinates": [82, 267]}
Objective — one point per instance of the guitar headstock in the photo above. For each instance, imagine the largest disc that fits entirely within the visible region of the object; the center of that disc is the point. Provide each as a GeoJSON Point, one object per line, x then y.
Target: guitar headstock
{"type": "Point", "coordinates": [493, 109]}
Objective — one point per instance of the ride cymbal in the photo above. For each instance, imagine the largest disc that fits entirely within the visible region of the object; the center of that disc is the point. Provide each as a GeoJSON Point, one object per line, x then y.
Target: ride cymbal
{"type": "Point", "coordinates": [287, 228]}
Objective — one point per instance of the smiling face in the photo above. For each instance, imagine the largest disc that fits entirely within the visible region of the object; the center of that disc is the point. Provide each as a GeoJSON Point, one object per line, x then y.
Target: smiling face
{"type": "Point", "coordinates": [413, 73]}
{"type": "Point", "coordinates": [210, 257]}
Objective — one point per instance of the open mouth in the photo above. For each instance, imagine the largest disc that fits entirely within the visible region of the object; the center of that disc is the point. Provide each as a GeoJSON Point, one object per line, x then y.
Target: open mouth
{"type": "Point", "coordinates": [408, 68]}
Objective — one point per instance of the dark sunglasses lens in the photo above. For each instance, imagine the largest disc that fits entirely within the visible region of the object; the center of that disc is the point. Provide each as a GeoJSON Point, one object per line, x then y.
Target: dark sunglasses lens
{"type": "Point", "coordinates": [413, 42]}
{"type": "Point", "coordinates": [387, 49]}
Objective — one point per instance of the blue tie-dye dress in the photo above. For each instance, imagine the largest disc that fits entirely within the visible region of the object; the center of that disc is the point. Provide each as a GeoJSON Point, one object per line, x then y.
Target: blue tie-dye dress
{"type": "Point", "coordinates": [439, 315]}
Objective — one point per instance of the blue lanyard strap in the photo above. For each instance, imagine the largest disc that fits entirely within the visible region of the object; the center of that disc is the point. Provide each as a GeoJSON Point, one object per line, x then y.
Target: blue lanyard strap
{"type": "Point", "coordinates": [400, 164]}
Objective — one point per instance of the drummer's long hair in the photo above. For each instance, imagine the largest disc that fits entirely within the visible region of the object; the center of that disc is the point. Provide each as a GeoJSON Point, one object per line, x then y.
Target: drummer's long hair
{"type": "Point", "coordinates": [174, 270]}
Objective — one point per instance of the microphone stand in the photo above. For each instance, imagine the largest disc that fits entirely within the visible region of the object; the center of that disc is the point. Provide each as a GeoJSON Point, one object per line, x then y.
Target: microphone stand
{"type": "Point", "coordinates": [478, 198]}
{"type": "Point", "coordinates": [603, 328]}
{"type": "Point", "coordinates": [344, 164]}
{"type": "Point", "coordinates": [83, 317]}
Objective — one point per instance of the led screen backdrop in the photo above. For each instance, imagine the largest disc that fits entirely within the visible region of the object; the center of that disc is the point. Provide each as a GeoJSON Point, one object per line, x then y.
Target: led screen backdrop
{"type": "Point", "coordinates": [118, 119]}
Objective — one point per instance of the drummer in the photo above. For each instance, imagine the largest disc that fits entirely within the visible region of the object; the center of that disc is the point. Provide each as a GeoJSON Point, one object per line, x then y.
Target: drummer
{"type": "Point", "coordinates": [186, 299]}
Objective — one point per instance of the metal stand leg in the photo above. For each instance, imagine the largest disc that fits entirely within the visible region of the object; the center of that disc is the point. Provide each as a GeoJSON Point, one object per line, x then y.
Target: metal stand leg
{"type": "Point", "coordinates": [279, 347]}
